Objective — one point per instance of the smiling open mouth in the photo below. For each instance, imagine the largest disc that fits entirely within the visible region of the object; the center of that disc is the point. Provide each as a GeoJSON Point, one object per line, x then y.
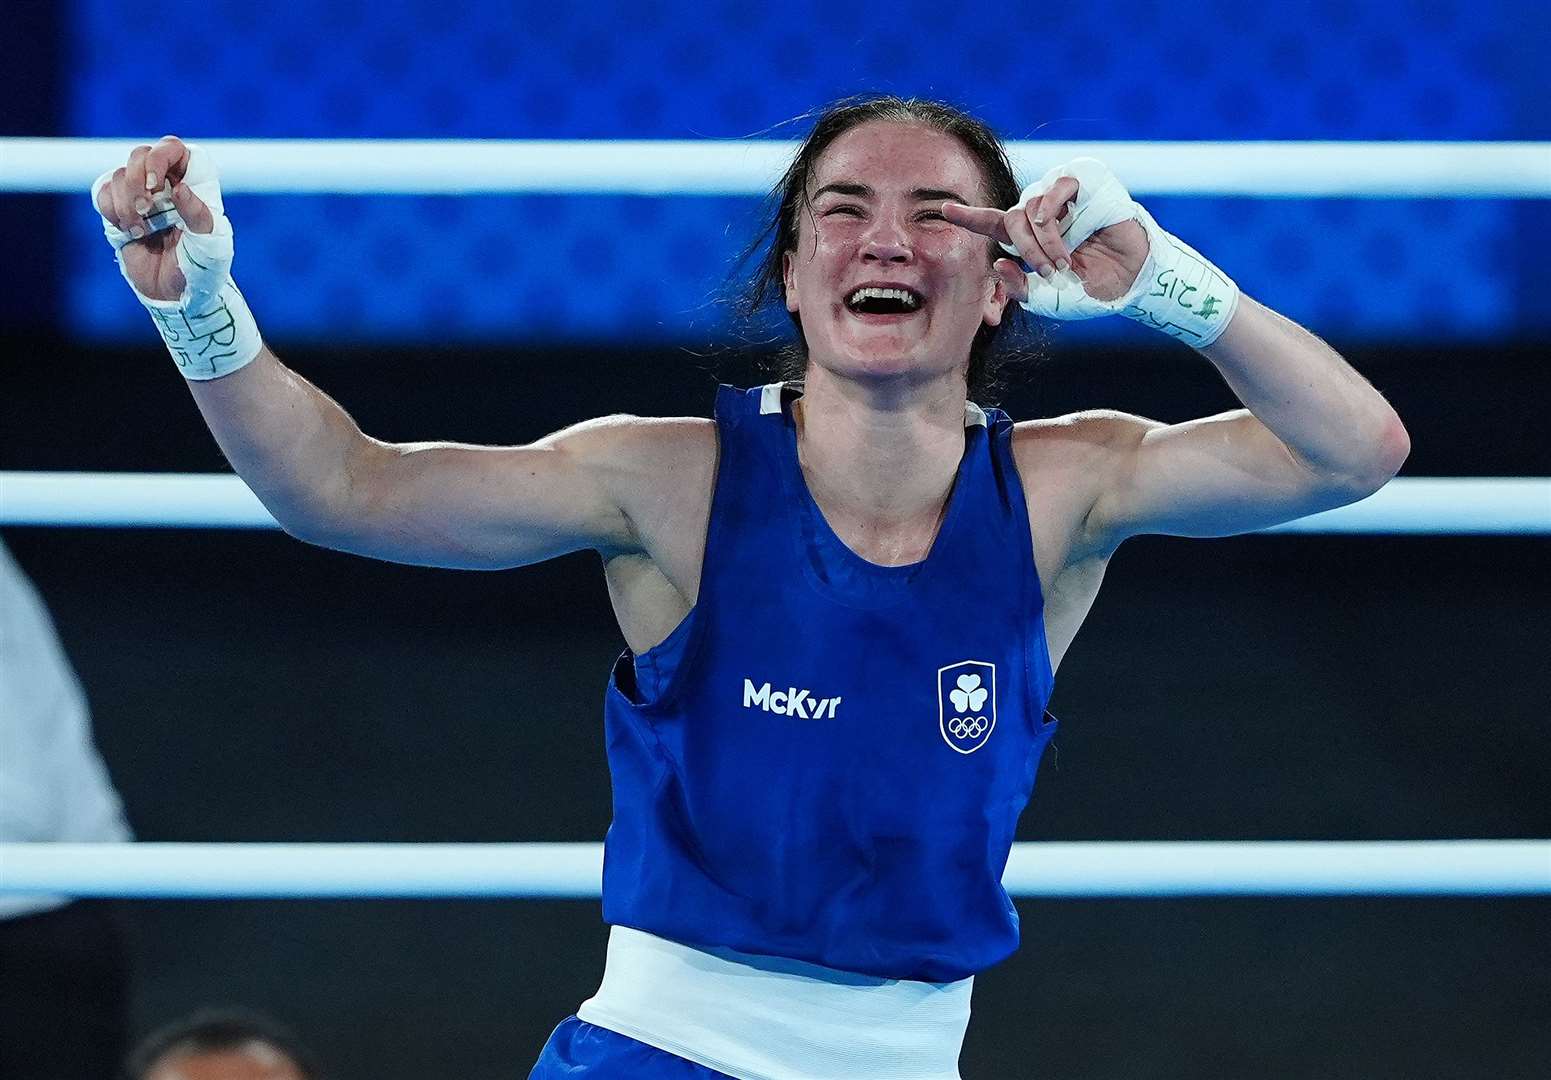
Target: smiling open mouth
{"type": "Point", "coordinates": [876, 300]}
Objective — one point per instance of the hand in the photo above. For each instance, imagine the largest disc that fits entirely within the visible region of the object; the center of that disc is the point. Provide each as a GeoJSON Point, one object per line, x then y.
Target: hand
{"type": "Point", "coordinates": [1106, 263]}
{"type": "Point", "coordinates": [150, 260]}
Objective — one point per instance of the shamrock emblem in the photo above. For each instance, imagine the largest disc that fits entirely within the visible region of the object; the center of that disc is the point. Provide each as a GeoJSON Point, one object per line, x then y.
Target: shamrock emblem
{"type": "Point", "coordinates": [970, 695]}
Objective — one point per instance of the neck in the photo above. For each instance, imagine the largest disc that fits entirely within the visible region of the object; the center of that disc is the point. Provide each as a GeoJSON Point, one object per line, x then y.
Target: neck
{"type": "Point", "coordinates": [880, 459]}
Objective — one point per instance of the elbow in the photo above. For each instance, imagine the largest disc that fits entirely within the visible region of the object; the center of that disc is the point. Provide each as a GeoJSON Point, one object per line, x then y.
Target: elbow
{"type": "Point", "coordinates": [1388, 451]}
{"type": "Point", "coordinates": [308, 518]}
{"type": "Point", "coordinates": [321, 526]}
{"type": "Point", "coordinates": [322, 513]}
{"type": "Point", "coordinates": [1397, 445]}
{"type": "Point", "coordinates": [306, 533]}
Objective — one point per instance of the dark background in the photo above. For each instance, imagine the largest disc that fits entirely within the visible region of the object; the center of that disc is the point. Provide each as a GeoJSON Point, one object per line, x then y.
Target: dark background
{"type": "Point", "coordinates": [248, 687]}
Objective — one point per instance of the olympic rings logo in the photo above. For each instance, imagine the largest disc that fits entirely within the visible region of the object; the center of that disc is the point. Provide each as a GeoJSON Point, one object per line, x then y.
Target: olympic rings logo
{"type": "Point", "coordinates": [967, 727]}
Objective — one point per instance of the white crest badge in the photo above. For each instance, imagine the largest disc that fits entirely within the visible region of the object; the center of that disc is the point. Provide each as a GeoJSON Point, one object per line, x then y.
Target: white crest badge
{"type": "Point", "coordinates": [966, 704]}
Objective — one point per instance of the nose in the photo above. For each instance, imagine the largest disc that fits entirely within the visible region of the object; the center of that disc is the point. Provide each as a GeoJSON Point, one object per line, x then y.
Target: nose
{"type": "Point", "coordinates": [886, 242]}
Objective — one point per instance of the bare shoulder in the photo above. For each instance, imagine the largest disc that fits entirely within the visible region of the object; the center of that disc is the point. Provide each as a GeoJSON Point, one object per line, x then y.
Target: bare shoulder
{"type": "Point", "coordinates": [1065, 463]}
{"type": "Point", "coordinates": [623, 440]}
{"type": "Point", "coordinates": [1085, 436]}
{"type": "Point", "coordinates": [660, 471]}
{"type": "Point", "coordinates": [645, 447]}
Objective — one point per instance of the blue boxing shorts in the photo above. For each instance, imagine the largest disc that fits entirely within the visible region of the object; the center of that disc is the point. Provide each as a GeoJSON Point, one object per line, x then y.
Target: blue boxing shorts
{"type": "Point", "coordinates": [579, 1050]}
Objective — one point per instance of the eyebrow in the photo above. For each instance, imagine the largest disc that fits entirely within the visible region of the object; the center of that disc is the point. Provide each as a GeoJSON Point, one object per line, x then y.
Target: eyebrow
{"type": "Point", "coordinates": [862, 191]}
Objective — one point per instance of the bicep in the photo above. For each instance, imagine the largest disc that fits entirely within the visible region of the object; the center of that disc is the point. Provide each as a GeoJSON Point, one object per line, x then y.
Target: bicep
{"type": "Point", "coordinates": [484, 507]}
{"type": "Point", "coordinates": [1215, 476]}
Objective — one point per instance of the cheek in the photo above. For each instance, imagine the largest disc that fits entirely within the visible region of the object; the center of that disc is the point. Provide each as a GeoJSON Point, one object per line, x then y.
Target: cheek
{"type": "Point", "coordinates": [963, 265]}
{"type": "Point", "coordinates": [970, 289]}
{"type": "Point", "coordinates": [831, 246]}
{"type": "Point", "coordinates": [816, 265]}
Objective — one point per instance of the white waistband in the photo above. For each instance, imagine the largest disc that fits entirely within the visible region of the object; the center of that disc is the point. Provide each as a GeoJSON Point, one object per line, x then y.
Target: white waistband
{"type": "Point", "coordinates": [767, 1018]}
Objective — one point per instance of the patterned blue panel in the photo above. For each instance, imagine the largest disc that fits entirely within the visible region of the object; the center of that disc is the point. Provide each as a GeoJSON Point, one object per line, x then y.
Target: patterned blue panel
{"type": "Point", "coordinates": [1113, 69]}
{"type": "Point", "coordinates": [558, 268]}
{"type": "Point", "coordinates": [483, 268]}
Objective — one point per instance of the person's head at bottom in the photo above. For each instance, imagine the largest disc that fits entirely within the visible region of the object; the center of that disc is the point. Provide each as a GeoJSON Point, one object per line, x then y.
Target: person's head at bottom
{"type": "Point", "coordinates": [222, 1044]}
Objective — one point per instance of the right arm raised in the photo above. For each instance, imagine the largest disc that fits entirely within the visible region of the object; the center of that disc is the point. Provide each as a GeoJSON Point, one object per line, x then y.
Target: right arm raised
{"type": "Point", "coordinates": [432, 504]}
{"type": "Point", "coordinates": [439, 504]}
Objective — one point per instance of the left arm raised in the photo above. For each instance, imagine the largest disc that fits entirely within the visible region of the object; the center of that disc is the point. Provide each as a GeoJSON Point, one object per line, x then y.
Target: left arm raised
{"type": "Point", "coordinates": [1315, 435]}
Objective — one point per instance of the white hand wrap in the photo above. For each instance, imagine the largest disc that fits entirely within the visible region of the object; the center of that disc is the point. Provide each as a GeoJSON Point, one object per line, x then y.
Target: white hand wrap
{"type": "Point", "coordinates": [1178, 290]}
{"type": "Point", "coordinates": [209, 329]}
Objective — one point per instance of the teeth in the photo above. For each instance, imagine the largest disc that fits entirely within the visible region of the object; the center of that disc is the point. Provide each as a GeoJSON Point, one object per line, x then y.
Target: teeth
{"type": "Point", "coordinates": [872, 292]}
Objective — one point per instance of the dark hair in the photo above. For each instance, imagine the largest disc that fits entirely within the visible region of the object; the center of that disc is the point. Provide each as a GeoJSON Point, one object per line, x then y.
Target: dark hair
{"type": "Point", "coordinates": [215, 1030]}
{"type": "Point", "coordinates": [766, 287]}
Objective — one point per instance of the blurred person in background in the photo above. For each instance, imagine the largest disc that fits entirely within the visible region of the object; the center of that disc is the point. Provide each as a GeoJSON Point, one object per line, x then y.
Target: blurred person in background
{"type": "Point", "coordinates": [63, 965]}
{"type": "Point", "coordinates": [844, 597]}
{"type": "Point", "coordinates": [222, 1044]}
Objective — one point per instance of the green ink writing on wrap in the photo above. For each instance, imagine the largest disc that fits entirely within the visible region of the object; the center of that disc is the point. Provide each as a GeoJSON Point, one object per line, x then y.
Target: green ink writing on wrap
{"type": "Point", "coordinates": [1170, 286]}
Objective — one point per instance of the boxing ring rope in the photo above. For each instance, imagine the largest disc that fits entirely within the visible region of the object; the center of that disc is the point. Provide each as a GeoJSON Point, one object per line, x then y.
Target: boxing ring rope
{"type": "Point", "coordinates": [1413, 505]}
{"type": "Point", "coordinates": [573, 871]}
{"type": "Point", "coordinates": [1484, 170]}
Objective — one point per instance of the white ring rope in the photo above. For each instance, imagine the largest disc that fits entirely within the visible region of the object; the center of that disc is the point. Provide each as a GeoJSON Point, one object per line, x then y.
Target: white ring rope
{"type": "Point", "coordinates": [1483, 170]}
{"type": "Point", "coordinates": [1414, 505]}
{"type": "Point", "coordinates": [1213, 868]}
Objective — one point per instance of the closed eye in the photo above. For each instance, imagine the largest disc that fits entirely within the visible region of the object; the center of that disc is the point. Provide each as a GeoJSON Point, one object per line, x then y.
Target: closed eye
{"type": "Point", "coordinates": [844, 208]}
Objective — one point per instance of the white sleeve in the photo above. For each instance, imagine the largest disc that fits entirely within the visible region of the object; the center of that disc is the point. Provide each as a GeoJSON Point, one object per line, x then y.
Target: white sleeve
{"type": "Point", "coordinates": [54, 785]}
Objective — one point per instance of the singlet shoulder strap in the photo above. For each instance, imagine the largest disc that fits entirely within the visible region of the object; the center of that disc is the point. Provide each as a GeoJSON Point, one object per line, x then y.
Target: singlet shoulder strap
{"type": "Point", "coordinates": [770, 396]}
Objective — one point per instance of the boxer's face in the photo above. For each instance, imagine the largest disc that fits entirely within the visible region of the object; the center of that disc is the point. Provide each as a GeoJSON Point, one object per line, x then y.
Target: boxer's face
{"type": "Point", "coordinates": [874, 219]}
{"type": "Point", "coordinates": [254, 1061]}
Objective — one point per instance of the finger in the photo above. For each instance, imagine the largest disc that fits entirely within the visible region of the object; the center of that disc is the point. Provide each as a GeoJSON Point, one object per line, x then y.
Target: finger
{"type": "Point", "coordinates": [196, 215]}
{"type": "Point", "coordinates": [134, 179]}
{"type": "Point", "coordinates": [1014, 278]}
{"type": "Point", "coordinates": [105, 199]}
{"type": "Point", "coordinates": [1027, 242]}
{"type": "Point", "coordinates": [977, 219]}
{"type": "Point", "coordinates": [124, 215]}
{"type": "Point", "coordinates": [168, 160]}
{"type": "Point", "coordinates": [1047, 214]}
{"type": "Point", "coordinates": [1052, 205]}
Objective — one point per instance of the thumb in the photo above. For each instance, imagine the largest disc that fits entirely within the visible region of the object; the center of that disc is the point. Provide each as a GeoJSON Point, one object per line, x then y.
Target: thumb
{"type": "Point", "coordinates": [1014, 278]}
{"type": "Point", "coordinates": [196, 215]}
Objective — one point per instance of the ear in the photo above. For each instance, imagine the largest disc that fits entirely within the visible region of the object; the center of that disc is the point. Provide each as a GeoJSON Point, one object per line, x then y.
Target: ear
{"type": "Point", "coordinates": [1008, 282]}
{"type": "Point", "coordinates": [789, 282]}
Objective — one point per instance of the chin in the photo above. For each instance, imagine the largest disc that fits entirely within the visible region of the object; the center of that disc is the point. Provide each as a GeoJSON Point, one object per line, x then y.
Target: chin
{"type": "Point", "coordinates": [878, 364]}
{"type": "Point", "coordinates": [890, 369]}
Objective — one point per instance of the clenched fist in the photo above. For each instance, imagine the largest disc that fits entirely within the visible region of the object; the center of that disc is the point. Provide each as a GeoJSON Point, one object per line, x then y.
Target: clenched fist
{"type": "Point", "coordinates": [164, 216]}
{"type": "Point", "coordinates": [129, 197]}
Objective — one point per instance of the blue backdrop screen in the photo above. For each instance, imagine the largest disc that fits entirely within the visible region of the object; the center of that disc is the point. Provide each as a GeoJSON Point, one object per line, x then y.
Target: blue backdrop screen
{"type": "Point", "coordinates": [652, 269]}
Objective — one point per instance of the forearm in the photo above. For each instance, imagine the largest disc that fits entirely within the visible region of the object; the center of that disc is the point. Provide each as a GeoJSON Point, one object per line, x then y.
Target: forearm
{"type": "Point", "coordinates": [291, 443]}
{"type": "Point", "coordinates": [1311, 399]}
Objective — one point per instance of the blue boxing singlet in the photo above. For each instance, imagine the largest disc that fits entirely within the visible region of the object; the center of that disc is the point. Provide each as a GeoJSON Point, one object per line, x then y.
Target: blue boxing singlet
{"type": "Point", "coordinates": [826, 760]}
